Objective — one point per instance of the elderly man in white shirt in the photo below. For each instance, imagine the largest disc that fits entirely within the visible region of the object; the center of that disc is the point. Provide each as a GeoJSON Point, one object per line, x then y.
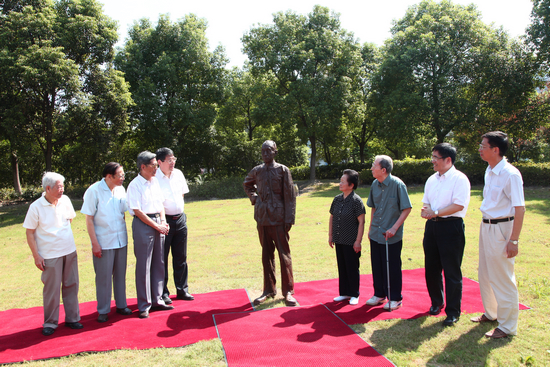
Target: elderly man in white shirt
{"type": "Point", "coordinates": [503, 209]}
{"type": "Point", "coordinates": [446, 199]}
{"type": "Point", "coordinates": [50, 238]}
{"type": "Point", "coordinates": [104, 206]}
{"type": "Point", "coordinates": [145, 203]}
{"type": "Point", "coordinates": [174, 187]}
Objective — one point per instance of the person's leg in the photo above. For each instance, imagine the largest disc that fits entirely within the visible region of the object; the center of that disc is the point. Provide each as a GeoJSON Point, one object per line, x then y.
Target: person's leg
{"type": "Point", "coordinates": [69, 289]}
{"type": "Point", "coordinates": [432, 264]}
{"type": "Point", "coordinates": [168, 240]}
{"type": "Point", "coordinates": [378, 264]}
{"type": "Point", "coordinates": [157, 268]}
{"type": "Point", "coordinates": [281, 238]}
{"type": "Point", "coordinates": [103, 267]}
{"type": "Point", "coordinates": [268, 259]}
{"type": "Point", "coordinates": [144, 237]}
{"type": "Point", "coordinates": [451, 242]}
{"type": "Point", "coordinates": [179, 256]}
{"type": "Point", "coordinates": [396, 278]}
{"type": "Point", "coordinates": [119, 276]}
{"type": "Point", "coordinates": [51, 278]}
{"type": "Point", "coordinates": [351, 269]}
{"type": "Point", "coordinates": [485, 248]}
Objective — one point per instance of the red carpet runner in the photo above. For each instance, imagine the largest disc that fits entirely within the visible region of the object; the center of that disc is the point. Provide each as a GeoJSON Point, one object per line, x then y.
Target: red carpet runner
{"type": "Point", "coordinates": [190, 322]}
{"type": "Point", "coordinates": [302, 336]}
{"type": "Point", "coordinates": [416, 301]}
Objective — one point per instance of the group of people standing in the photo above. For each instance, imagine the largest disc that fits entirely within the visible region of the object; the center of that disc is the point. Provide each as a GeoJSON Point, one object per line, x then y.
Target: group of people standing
{"type": "Point", "coordinates": [445, 204]}
{"type": "Point", "coordinates": [155, 198]}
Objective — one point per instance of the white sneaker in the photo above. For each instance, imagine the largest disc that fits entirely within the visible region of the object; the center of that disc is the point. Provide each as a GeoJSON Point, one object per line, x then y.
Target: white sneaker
{"type": "Point", "coordinates": [375, 301]}
{"type": "Point", "coordinates": [394, 305]}
{"type": "Point", "coordinates": [341, 298]}
{"type": "Point", "coordinates": [354, 300]}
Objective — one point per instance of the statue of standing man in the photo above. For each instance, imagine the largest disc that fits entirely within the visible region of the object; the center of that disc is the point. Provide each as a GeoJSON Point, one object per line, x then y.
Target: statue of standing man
{"type": "Point", "coordinates": [271, 190]}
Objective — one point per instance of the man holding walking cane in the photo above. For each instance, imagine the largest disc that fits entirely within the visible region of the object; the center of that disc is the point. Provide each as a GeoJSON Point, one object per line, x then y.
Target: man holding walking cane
{"type": "Point", "coordinates": [390, 206]}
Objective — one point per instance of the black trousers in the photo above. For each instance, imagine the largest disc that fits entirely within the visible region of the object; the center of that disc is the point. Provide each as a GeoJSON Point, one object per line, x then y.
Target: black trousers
{"type": "Point", "coordinates": [348, 270]}
{"type": "Point", "coordinates": [444, 243]}
{"type": "Point", "coordinates": [176, 241]}
{"type": "Point", "coordinates": [380, 272]}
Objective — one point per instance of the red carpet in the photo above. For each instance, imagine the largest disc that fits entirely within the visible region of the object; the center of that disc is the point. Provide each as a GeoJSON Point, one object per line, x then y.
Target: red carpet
{"type": "Point", "coordinates": [416, 301]}
{"type": "Point", "coordinates": [302, 336]}
{"type": "Point", "coordinates": [190, 322]}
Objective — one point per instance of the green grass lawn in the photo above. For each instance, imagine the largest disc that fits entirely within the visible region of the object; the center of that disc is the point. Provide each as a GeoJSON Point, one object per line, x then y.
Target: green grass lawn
{"type": "Point", "coordinates": [224, 253]}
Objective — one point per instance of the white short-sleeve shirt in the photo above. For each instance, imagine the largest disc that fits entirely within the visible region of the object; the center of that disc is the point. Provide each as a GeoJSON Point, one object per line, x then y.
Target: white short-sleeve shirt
{"type": "Point", "coordinates": [144, 195]}
{"type": "Point", "coordinates": [52, 225]}
{"type": "Point", "coordinates": [108, 210]}
{"type": "Point", "coordinates": [452, 187]}
{"type": "Point", "coordinates": [173, 189]}
{"type": "Point", "coordinates": [503, 191]}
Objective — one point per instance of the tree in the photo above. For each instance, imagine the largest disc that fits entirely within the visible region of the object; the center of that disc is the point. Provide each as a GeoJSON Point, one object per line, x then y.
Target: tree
{"type": "Point", "coordinates": [176, 83]}
{"type": "Point", "coordinates": [57, 82]}
{"type": "Point", "coordinates": [445, 70]}
{"type": "Point", "coordinates": [314, 62]}
{"type": "Point", "coordinates": [538, 33]}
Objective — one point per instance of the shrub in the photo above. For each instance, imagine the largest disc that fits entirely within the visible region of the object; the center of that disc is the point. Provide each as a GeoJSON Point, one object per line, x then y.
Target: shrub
{"type": "Point", "coordinates": [224, 188]}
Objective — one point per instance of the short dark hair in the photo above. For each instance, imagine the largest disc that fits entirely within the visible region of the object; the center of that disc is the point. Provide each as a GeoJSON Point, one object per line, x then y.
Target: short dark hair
{"type": "Point", "coordinates": [353, 177]}
{"type": "Point", "coordinates": [446, 150]}
{"type": "Point", "coordinates": [144, 158]}
{"type": "Point", "coordinates": [110, 168]}
{"type": "Point", "coordinates": [497, 139]}
{"type": "Point", "coordinates": [162, 153]}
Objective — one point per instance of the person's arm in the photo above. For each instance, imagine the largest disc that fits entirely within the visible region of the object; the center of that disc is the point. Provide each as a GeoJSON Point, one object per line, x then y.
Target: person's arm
{"type": "Point", "coordinates": [390, 232]}
{"type": "Point", "coordinates": [145, 219]}
{"type": "Point", "coordinates": [96, 248]}
{"type": "Point", "coordinates": [360, 231]}
{"type": "Point", "coordinates": [330, 241]}
{"type": "Point", "coordinates": [511, 249]}
{"type": "Point", "coordinates": [249, 186]}
{"type": "Point", "coordinates": [372, 210]}
{"type": "Point", "coordinates": [38, 260]}
{"type": "Point", "coordinates": [428, 213]}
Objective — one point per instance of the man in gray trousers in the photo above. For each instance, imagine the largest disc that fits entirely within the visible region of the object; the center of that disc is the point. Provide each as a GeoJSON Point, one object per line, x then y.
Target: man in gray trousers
{"type": "Point", "coordinates": [145, 202]}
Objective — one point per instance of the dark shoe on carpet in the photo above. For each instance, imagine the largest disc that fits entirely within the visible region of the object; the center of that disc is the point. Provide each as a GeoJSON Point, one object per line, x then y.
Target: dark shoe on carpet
{"type": "Point", "coordinates": [290, 300]}
{"type": "Point", "coordinates": [102, 317]}
{"type": "Point", "coordinates": [450, 320]}
{"type": "Point", "coordinates": [436, 310]}
{"type": "Point", "coordinates": [185, 296]}
{"type": "Point", "coordinates": [496, 334]}
{"type": "Point", "coordinates": [144, 315]}
{"type": "Point", "coordinates": [263, 298]}
{"type": "Point", "coordinates": [162, 308]}
{"type": "Point", "coordinates": [481, 318]}
{"type": "Point", "coordinates": [74, 325]}
{"type": "Point", "coordinates": [47, 331]}
{"type": "Point", "coordinates": [166, 299]}
{"type": "Point", "coordinates": [124, 311]}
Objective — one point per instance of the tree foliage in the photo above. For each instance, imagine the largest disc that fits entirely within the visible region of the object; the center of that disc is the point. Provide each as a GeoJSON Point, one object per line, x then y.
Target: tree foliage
{"type": "Point", "coordinates": [538, 33]}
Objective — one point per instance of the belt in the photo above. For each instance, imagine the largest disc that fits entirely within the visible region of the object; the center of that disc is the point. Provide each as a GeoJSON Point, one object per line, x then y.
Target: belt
{"type": "Point", "coordinates": [173, 217]}
{"type": "Point", "coordinates": [154, 215]}
{"type": "Point", "coordinates": [443, 219]}
{"type": "Point", "coordinates": [500, 220]}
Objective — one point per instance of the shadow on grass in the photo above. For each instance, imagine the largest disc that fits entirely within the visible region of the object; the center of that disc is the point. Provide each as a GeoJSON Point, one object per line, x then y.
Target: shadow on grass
{"type": "Point", "coordinates": [14, 214]}
{"type": "Point", "coordinates": [404, 336]}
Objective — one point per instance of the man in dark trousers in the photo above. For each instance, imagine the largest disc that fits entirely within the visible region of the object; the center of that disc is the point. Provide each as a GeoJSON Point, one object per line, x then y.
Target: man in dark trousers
{"type": "Point", "coordinates": [271, 190]}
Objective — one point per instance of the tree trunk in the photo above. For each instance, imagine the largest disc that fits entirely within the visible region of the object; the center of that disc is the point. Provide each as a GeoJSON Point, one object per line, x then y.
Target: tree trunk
{"type": "Point", "coordinates": [313, 158]}
{"type": "Point", "coordinates": [15, 172]}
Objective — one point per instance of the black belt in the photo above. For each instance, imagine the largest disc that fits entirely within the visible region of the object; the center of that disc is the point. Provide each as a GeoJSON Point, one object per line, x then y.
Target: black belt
{"type": "Point", "coordinates": [500, 220]}
{"type": "Point", "coordinates": [443, 219]}
{"type": "Point", "coordinates": [154, 215]}
{"type": "Point", "coordinates": [173, 217]}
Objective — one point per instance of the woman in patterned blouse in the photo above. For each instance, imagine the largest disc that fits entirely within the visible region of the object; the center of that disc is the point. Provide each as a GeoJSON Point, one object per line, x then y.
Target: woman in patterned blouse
{"type": "Point", "coordinates": [346, 227]}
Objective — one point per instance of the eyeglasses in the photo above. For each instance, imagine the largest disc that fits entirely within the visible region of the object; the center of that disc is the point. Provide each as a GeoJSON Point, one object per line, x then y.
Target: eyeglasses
{"type": "Point", "coordinates": [120, 176]}
{"type": "Point", "coordinates": [481, 146]}
{"type": "Point", "coordinates": [154, 165]}
{"type": "Point", "coordinates": [435, 158]}
{"type": "Point", "coordinates": [171, 160]}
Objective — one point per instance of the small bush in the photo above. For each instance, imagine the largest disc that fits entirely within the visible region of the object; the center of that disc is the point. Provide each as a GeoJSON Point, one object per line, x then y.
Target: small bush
{"type": "Point", "coordinates": [224, 188]}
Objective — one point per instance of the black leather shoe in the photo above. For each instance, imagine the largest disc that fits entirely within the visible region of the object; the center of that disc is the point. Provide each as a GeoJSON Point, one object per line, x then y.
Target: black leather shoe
{"type": "Point", "coordinates": [450, 320]}
{"type": "Point", "coordinates": [263, 298]}
{"type": "Point", "coordinates": [74, 325]}
{"type": "Point", "coordinates": [124, 311]}
{"type": "Point", "coordinates": [166, 299]}
{"type": "Point", "coordinates": [47, 331]}
{"type": "Point", "coordinates": [102, 317]}
{"type": "Point", "coordinates": [185, 296]}
{"type": "Point", "coordinates": [162, 308]}
{"type": "Point", "coordinates": [144, 314]}
{"type": "Point", "coordinates": [436, 310]}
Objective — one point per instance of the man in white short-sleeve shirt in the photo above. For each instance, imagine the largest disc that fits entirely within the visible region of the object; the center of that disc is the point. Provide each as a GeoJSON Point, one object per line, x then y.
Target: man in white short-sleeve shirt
{"type": "Point", "coordinates": [145, 202]}
{"type": "Point", "coordinates": [503, 209]}
{"type": "Point", "coordinates": [174, 187]}
{"type": "Point", "coordinates": [50, 238]}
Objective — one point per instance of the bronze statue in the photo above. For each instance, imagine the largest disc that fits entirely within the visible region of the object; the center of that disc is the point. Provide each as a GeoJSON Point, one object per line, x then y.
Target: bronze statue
{"type": "Point", "coordinates": [271, 190]}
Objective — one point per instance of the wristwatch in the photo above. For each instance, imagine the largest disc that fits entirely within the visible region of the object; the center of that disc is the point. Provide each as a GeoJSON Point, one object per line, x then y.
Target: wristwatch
{"type": "Point", "coordinates": [436, 213]}
{"type": "Point", "coordinates": [514, 242]}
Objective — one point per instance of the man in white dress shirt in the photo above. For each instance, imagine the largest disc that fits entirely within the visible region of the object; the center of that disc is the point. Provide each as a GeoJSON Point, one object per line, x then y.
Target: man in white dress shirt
{"type": "Point", "coordinates": [50, 238]}
{"type": "Point", "coordinates": [445, 203]}
{"type": "Point", "coordinates": [145, 203]}
{"type": "Point", "coordinates": [174, 187]}
{"type": "Point", "coordinates": [503, 209]}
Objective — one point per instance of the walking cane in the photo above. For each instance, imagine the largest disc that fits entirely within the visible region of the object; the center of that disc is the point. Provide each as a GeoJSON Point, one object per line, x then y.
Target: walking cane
{"type": "Point", "coordinates": [388, 273]}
